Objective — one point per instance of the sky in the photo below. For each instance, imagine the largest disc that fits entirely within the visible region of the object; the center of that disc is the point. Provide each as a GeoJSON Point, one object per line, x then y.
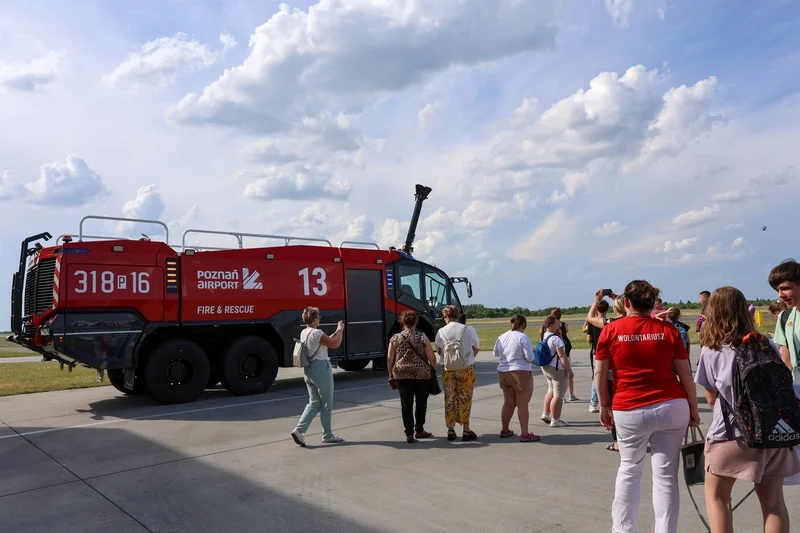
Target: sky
{"type": "Point", "coordinates": [570, 146]}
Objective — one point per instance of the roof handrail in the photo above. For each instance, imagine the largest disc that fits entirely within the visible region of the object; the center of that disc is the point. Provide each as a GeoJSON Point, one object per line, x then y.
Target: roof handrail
{"type": "Point", "coordinates": [360, 243]}
{"type": "Point", "coordinates": [121, 219]}
{"type": "Point", "coordinates": [104, 237]}
{"type": "Point", "coordinates": [239, 235]}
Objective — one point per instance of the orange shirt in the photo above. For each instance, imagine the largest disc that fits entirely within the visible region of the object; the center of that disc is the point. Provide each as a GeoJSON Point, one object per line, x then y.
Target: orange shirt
{"type": "Point", "coordinates": [641, 350]}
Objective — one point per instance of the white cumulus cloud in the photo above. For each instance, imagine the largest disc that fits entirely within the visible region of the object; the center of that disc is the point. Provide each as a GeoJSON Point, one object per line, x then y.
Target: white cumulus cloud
{"type": "Point", "coordinates": [161, 61]}
{"type": "Point", "coordinates": [608, 229]}
{"type": "Point", "coordinates": [671, 246]}
{"type": "Point", "coordinates": [693, 218]}
{"type": "Point", "coordinates": [737, 242]}
{"type": "Point", "coordinates": [295, 182]}
{"type": "Point", "coordinates": [32, 75]}
{"type": "Point", "coordinates": [68, 184]}
{"type": "Point", "coordinates": [686, 115]}
{"type": "Point", "coordinates": [148, 205]}
{"type": "Point", "coordinates": [620, 123]}
{"type": "Point", "coordinates": [348, 54]}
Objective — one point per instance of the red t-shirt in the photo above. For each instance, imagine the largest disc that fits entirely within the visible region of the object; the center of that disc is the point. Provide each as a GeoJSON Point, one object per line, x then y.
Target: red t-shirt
{"type": "Point", "coordinates": [641, 350]}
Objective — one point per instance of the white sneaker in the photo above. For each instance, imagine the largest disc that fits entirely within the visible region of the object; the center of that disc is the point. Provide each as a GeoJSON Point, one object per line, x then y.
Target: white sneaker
{"type": "Point", "coordinates": [546, 417]}
{"type": "Point", "coordinates": [333, 440]}
{"type": "Point", "coordinates": [298, 437]}
{"type": "Point", "coordinates": [558, 423]}
{"type": "Point", "coordinates": [594, 409]}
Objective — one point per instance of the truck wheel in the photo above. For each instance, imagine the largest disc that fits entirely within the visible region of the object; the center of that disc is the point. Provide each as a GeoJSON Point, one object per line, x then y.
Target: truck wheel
{"type": "Point", "coordinates": [249, 366]}
{"type": "Point", "coordinates": [353, 366]}
{"type": "Point", "coordinates": [177, 372]}
{"type": "Point", "coordinates": [117, 379]}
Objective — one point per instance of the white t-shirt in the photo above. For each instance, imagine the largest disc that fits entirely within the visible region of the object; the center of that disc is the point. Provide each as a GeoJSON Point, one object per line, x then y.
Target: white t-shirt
{"type": "Point", "coordinates": [451, 332]}
{"type": "Point", "coordinates": [515, 351]}
{"type": "Point", "coordinates": [312, 337]}
{"type": "Point", "coordinates": [554, 342]}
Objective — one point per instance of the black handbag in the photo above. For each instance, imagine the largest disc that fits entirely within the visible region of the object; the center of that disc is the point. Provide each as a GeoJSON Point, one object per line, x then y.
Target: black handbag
{"type": "Point", "coordinates": [433, 384]}
{"type": "Point", "coordinates": [694, 468]}
{"type": "Point", "coordinates": [693, 456]}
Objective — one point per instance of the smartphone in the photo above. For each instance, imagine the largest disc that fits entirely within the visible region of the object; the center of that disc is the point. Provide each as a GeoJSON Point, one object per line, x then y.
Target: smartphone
{"type": "Point", "coordinates": [607, 292]}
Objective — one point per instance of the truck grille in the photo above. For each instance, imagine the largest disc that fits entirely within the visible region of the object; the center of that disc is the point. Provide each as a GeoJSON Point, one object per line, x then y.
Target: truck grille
{"type": "Point", "coordinates": [39, 287]}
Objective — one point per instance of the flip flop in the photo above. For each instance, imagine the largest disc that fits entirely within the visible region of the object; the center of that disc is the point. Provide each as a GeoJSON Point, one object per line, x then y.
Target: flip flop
{"type": "Point", "coordinates": [505, 435]}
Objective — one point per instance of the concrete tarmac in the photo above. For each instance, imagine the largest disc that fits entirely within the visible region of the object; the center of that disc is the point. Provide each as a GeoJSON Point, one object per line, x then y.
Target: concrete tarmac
{"type": "Point", "coordinates": [94, 460]}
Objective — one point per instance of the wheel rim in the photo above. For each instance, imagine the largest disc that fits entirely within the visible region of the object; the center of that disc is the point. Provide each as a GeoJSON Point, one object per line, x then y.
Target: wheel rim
{"type": "Point", "coordinates": [177, 372]}
{"type": "Point", "coordinates": [250, 367]}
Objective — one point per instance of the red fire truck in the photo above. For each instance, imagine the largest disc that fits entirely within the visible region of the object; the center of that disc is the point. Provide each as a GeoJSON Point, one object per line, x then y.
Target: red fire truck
{"type": "Point", "coordinates": [172, 324]}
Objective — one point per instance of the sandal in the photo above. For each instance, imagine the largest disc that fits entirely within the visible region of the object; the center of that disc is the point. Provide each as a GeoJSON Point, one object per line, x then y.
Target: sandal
{"type": "Point", "coordinates": [506, 434]}
{"type": "Point", "coordinates": [530, 437]}
{"type": "Point", "coordinates": [469, 436]}
{"type": "Point", "coordinates": [451, 434]}
{"type": "Point", "coordinates": [611, 448]}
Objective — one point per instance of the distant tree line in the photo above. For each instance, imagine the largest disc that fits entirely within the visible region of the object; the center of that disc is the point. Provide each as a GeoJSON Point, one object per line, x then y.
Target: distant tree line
{"type": "Point", "coordinates": [481, 311]}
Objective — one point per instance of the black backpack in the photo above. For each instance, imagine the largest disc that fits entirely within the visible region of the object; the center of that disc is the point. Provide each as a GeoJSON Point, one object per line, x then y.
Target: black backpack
{"type": "Point", "coordinates": [766, 411]}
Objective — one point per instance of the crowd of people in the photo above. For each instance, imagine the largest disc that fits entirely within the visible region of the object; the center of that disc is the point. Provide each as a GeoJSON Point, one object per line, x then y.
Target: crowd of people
{"type": "Point", "coordinates": [643, 390]}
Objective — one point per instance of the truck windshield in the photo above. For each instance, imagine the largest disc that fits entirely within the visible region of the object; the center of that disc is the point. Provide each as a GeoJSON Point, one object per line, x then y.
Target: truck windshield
{"type": "Point", "coordinates": [436, 292]}
{"type": "Point", "coordinates": [422, 286]}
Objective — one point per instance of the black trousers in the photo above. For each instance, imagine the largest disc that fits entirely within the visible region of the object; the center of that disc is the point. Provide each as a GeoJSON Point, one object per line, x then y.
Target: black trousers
{"type": "Point", "coordinates": [410, 390]}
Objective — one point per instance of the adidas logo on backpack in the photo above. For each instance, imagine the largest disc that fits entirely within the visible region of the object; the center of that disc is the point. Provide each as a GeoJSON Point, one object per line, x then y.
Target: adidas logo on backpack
{"type": "Point", "coordinates": [783, 432]}
{"type": "Point", "coordinates": [766, 409]}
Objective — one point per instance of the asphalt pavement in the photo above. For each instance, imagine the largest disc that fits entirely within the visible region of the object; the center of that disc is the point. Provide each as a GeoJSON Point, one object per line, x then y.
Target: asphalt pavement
{"type": "Point", "coordinates": [95, 460]}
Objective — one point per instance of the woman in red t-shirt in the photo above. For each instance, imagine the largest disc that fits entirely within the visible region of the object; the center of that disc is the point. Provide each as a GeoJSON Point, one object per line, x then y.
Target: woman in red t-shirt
{"type": "Point", "coordinates": [652, 405]}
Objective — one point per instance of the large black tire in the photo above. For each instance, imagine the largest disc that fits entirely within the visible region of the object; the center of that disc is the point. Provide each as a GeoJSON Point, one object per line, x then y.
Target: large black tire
{"type": "Point", "coordinates": [117, 379]}
{"type": "Point", "coordinates": [353, 366]}
{"type": "Point", "coordinates": [249, 366]}
{"type": "Point", "coordinates": [177, 371]}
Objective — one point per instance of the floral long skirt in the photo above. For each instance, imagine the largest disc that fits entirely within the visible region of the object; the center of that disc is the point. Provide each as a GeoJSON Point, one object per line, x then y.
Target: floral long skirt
{"type": "Point", "coordinates": [458, 387]}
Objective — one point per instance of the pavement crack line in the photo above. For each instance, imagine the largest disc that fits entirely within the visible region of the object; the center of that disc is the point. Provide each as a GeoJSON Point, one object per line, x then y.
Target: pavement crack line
{"type": "Point", "coordinates": [82, 480]}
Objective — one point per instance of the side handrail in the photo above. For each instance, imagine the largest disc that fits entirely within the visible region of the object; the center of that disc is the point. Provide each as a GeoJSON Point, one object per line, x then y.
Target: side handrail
{"type": "Point", "coordinates": [360, 243]}
{"type": "Point", "coordinates": [121, 219]}
{"type": "Point", "coordinates": [238, 236]}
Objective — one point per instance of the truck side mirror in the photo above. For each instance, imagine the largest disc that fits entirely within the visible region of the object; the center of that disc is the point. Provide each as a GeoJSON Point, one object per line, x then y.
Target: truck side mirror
{"type": "Point", "coordinates": [469, 289]}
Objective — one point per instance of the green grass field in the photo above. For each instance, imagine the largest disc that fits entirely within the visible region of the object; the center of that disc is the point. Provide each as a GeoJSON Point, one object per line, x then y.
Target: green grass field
{"type": "Point", "coordinates": [488, 335]}
{"type": "Point", "coordinates": [9, 349]}
{"type": "Point", "coordinates": [25, 378]}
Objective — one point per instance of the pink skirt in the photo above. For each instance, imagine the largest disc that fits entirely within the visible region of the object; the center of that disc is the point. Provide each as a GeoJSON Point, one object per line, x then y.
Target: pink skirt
{"type": "Point", "coordinates": [735, 459]}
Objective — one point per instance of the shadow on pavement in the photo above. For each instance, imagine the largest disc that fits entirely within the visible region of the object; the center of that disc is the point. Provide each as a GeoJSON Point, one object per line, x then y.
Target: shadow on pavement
{"type": "Point", "coordinates": [287, 397]}
{"type": "Point", "coordinates": [185, 494]}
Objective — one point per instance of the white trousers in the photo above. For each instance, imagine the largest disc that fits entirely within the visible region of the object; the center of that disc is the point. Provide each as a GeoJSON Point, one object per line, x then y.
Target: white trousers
{"type": "Point", "coordinates": [662, 426]}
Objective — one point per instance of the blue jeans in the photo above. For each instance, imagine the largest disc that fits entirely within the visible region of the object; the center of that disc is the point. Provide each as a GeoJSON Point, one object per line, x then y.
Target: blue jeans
{"type": "Point", "coordinates": [319, 381]}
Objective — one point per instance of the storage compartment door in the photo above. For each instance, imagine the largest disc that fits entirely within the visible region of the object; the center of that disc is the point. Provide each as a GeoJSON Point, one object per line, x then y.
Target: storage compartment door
{"type": "Point", "coordinates": [365, 328]}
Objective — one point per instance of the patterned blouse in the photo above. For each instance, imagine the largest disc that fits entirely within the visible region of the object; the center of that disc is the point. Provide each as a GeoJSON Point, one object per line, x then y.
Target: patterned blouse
{"type": "Point", "coordinates": [409, 364]}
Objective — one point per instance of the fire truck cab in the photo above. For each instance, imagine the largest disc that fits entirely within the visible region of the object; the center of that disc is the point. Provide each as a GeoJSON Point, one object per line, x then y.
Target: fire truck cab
{"type": "Point", "coordinates": [172, 323]}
